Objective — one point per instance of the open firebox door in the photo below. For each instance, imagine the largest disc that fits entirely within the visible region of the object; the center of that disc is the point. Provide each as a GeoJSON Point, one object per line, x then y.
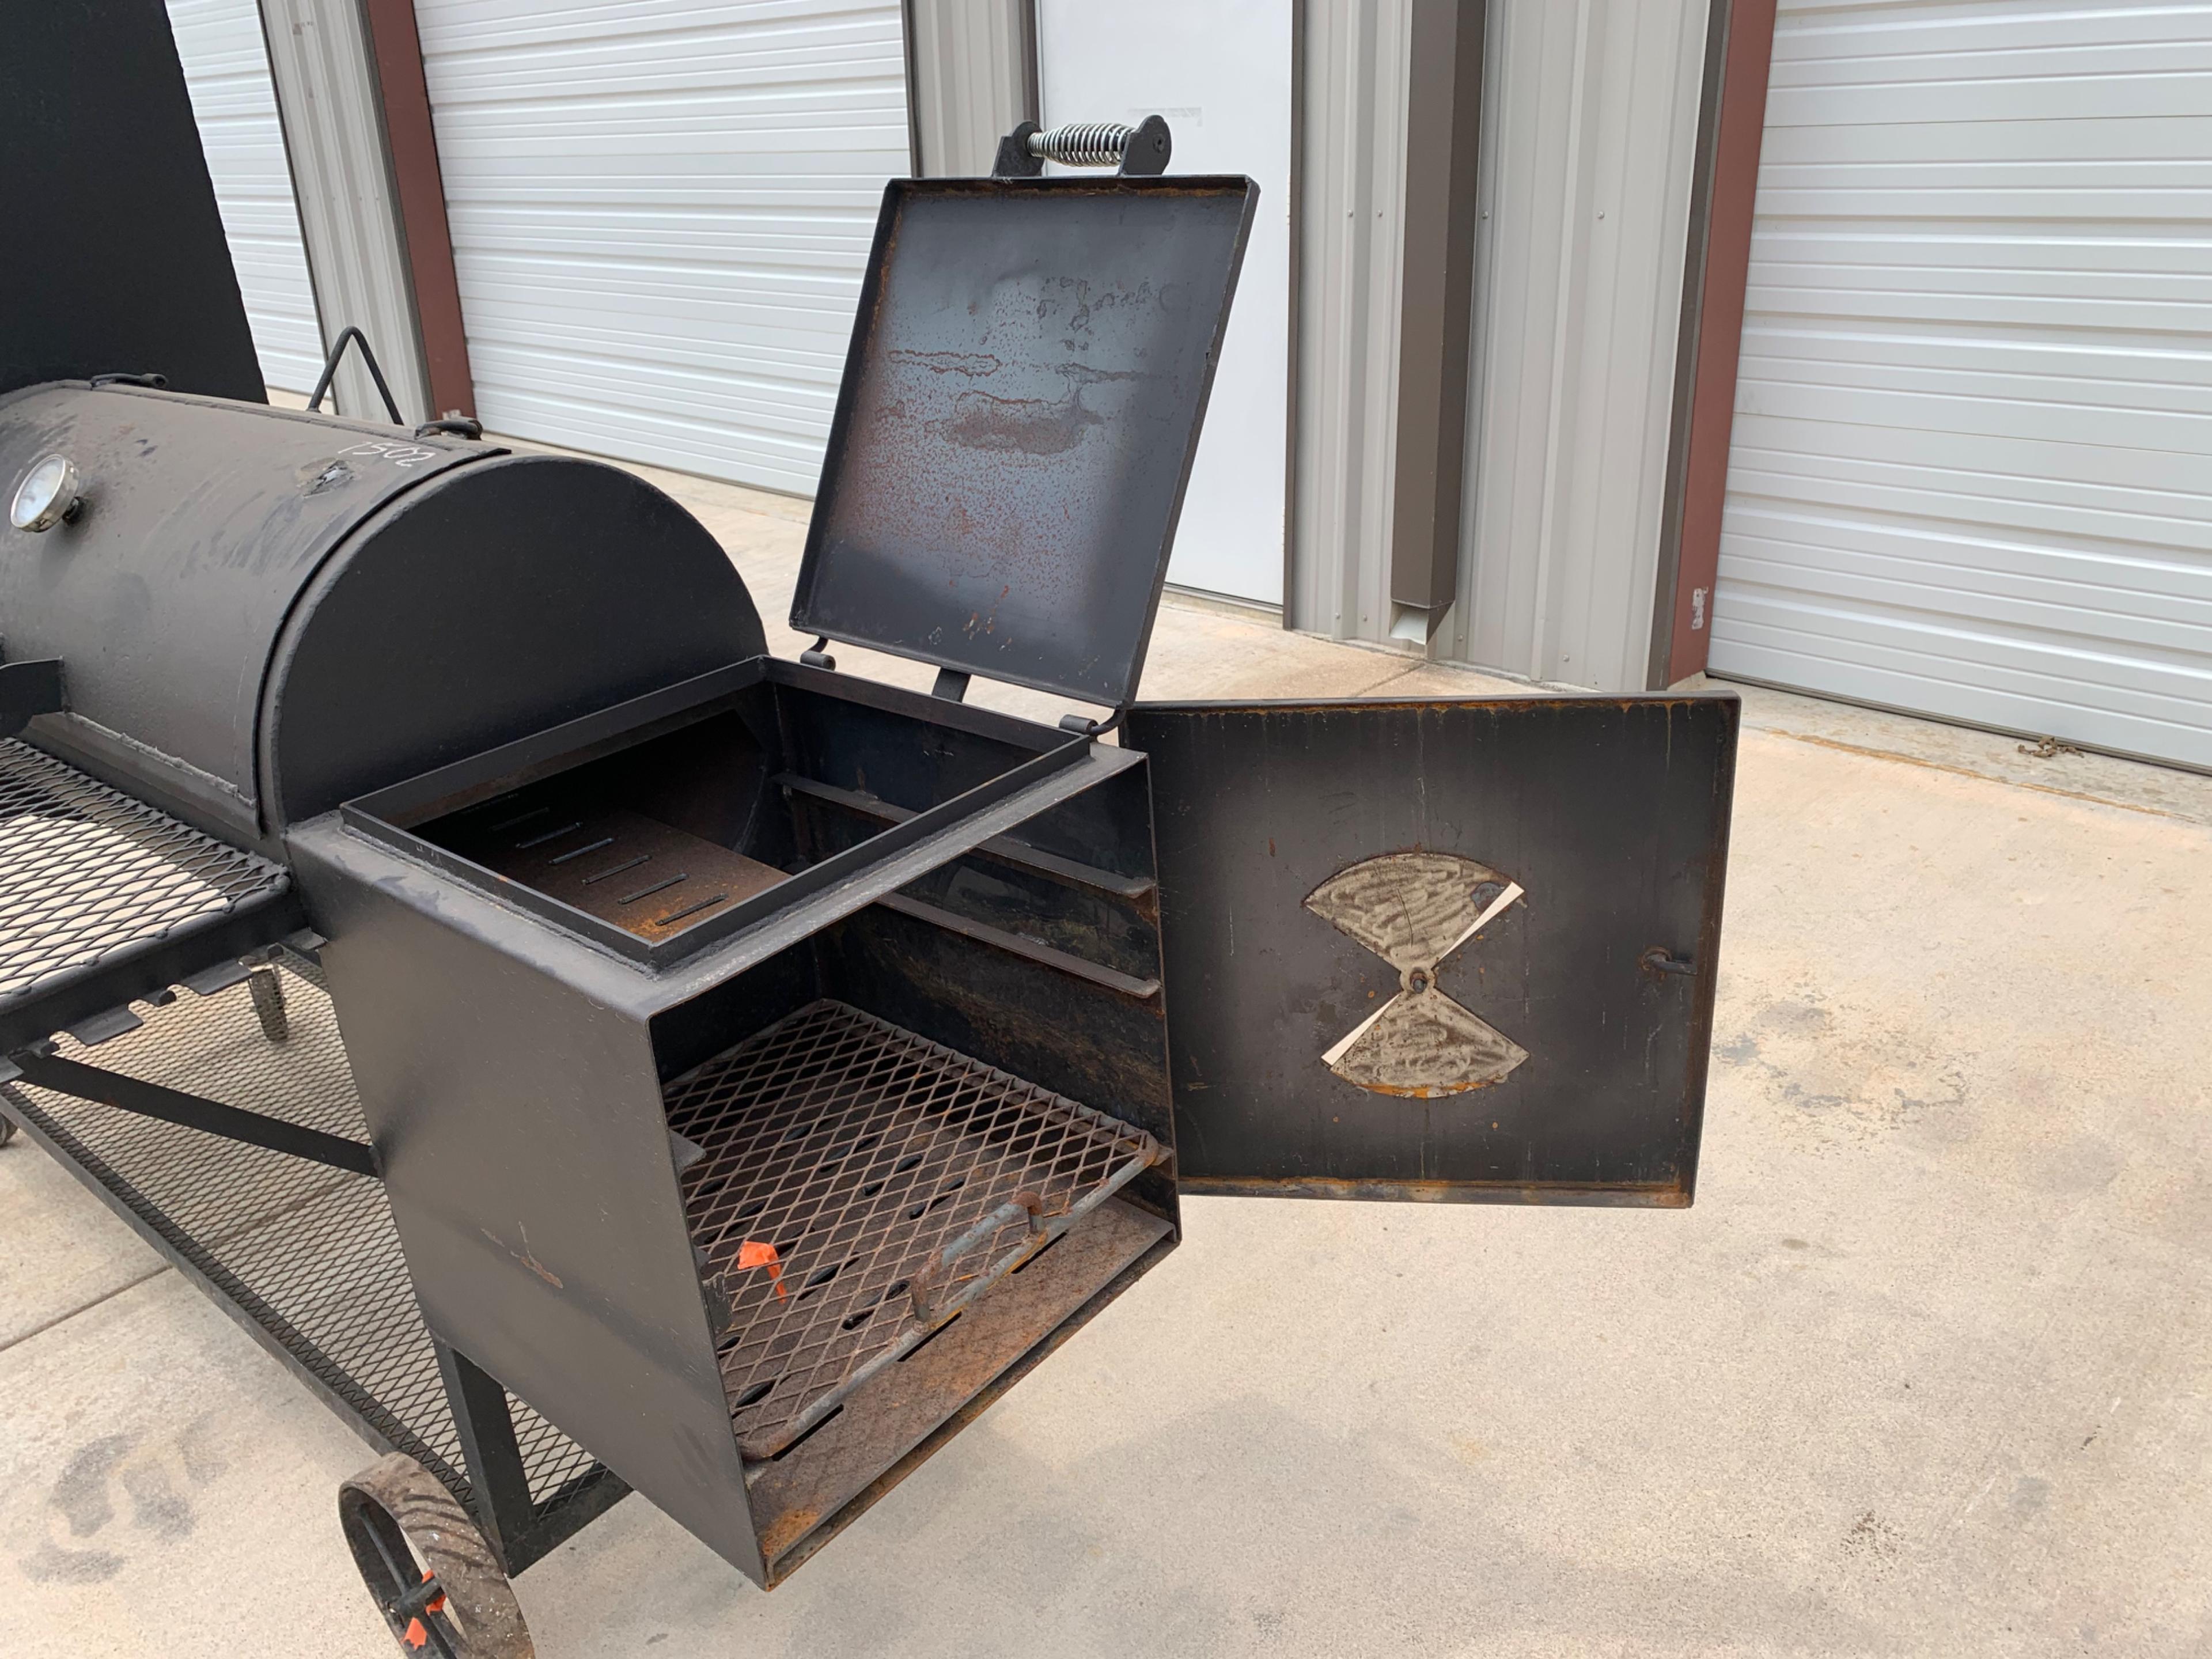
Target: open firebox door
{"type": "Point", "coordinates": [1450, 949]}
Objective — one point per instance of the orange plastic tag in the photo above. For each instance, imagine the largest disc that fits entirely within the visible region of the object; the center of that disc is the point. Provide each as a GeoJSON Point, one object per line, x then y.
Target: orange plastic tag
{"type": "Point", "coordinates": [415, 1636]}
{"type": "Point", "coordinates": [754, 1254]}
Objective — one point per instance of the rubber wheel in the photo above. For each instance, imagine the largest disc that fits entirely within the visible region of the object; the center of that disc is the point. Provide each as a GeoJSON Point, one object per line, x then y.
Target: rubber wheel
{"type": "Point", "coordinates": [439, 1586]}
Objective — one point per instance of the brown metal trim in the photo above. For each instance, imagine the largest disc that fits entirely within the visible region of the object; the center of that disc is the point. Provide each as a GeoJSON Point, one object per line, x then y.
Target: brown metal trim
{"type": "Point", "coordinates": [1734, 190]}
{"type": "Point", "coordinates": [1444, 120]}
{"type": "Point", "coordinates": [411, 143]}
{"type": "Point", "coordinates": [1291, 349]}
{"type": "Point", "coordinates": [1667, 573]}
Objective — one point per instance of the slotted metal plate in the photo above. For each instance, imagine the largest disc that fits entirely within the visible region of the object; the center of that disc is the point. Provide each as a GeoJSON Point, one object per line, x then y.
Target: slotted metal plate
{"type": "Point", "coordinates": [309, 1254]}
{"type": "Point", "coordinates": [90, 879]}
{"type": "Point", "coordinates": [894, 1180]}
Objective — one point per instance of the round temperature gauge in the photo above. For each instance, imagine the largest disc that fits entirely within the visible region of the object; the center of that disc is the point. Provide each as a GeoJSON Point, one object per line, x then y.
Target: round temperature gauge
{"type": "Point", "coordinates": [47, 497]}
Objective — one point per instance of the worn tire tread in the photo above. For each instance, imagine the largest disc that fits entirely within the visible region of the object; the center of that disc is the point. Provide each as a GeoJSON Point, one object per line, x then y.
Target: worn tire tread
{"type": "Point", "coordinates": [475, 1583]}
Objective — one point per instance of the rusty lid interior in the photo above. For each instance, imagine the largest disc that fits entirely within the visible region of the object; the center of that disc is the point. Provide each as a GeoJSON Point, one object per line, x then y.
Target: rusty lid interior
{"type": "Point", "coordinates": [1022, 399]}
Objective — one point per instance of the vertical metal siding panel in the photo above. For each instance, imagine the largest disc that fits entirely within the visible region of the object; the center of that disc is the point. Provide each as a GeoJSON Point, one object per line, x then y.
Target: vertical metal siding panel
{"type": "Point", "coordinates": [1526, 179]}
{"type": "Point", "coordinates": [320, 58]}
{"type": "Point", "coordinates": [660, 215]}
{"type": "Point", "coordinates": [1592, 110]}
{"type": "Point", "coordinates": [971, 80]}
{"type": "Point", "coordinates": [1352, 181]}
{"type": "Point", "coordinates": [234, 105]}
{"type": "Point", "coordinates": [1626, 404]}
{"type": "Point", "coordinates": [1969, 473]}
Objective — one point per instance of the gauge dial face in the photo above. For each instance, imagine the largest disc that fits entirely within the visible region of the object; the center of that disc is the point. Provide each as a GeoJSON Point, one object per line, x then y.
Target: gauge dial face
{"type": "Point", "coordinates": [47, 493]}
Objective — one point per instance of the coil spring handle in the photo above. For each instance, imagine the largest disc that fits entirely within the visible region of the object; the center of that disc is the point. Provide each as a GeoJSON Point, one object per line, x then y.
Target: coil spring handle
{"type": "Point", "coordinates": [1134, 152]}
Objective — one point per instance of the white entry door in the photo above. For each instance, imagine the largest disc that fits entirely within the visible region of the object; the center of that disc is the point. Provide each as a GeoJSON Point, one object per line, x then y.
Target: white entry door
{"type": "Point", "coordinates": [1972, 469]}
{"type": "Point", "coordinates": [234, 106]}
{"type": "Point", "coordinates": [660, 215]}
{"type": "Point", "coordinates": [1219, 70]}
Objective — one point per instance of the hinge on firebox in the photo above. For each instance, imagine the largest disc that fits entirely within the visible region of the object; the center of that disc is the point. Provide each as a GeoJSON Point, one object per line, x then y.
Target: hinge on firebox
{"type": "Point", "coordinates": [1084, 726]}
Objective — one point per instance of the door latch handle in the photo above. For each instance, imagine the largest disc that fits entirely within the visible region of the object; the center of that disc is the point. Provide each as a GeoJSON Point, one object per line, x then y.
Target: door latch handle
{"type": "Point", "coordinates": [1659, 961]}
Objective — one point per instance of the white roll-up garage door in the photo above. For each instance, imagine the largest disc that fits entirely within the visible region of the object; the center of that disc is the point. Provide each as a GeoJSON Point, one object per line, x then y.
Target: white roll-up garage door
{"type": "Point", "coordinates": [1971, 471]}
{"type": "Point", "coordinates": [235, 104]}
{"type": "Point", "coordinates": [660, 213]}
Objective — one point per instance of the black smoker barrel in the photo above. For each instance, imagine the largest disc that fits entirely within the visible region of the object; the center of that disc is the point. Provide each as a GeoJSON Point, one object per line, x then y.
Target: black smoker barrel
{"type": "Point", "coordinates": [258, 613]}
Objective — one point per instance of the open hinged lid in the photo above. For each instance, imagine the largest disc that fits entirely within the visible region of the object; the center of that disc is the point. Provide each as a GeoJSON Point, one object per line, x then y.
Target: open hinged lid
{"type": "Point", "coordinates": [1027, 379]}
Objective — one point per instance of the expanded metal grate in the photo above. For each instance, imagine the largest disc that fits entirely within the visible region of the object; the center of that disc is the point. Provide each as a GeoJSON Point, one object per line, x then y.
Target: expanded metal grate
{"type": "Point", "coordinates": [309, 1253]}
{"type": "Point", "coordinates": [86, 874]}
{"type": "Point", "coordinates": [856, 1186]}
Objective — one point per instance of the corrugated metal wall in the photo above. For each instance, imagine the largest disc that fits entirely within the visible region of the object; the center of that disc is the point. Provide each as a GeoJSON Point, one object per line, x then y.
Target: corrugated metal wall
{"type": "Point", "coordinates": [660, 217]}
{"type": "Point", "coordinates": [226, 72]}
{"type": "Point", "coordinates": [1971, 467]}
{"type": "Point", "coordinates": [320, 60]}
{"type": "Point", "coordinates": [972, 65]}
{"type": "Point", "coordinates": [1590, 135]}
{"type": "Point", "coordinates": [1351, 190]}
{"type": "Point", "coordinates": [1589, 142]}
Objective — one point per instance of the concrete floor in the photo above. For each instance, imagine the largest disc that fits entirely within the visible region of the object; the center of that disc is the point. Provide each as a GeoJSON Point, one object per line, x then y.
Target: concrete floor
{"type": "Point", "coordinates": [1928, 1370]}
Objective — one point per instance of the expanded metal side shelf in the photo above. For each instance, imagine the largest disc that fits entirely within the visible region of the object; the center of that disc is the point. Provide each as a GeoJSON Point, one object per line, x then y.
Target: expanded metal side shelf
{"type": "Point", "coordinates": [306, 1255]}
{"type": "Point", "coordinates": [856, 1188]}
{"type": "Point", "coordinates": [96, 887]}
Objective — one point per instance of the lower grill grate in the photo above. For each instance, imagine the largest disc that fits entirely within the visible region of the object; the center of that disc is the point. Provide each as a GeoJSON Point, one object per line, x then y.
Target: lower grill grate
{"type": "Point", "coordinates": [309, 1254]}
{"type": "Point", "coordinates": [856, 1187]}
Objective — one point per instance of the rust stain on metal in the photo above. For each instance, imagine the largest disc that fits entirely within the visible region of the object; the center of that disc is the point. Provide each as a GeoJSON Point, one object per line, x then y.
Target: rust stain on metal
{"type": "Point", "coordinates": [1668, 1195]}
{"type": "Point", "coordinates": [904, 1413]}
{"type": "Point", "coordinates": [524, 1256]}
{"type": "Point", "coordinates": [947, 363]}
{"type": "Point", "coordinates": [786, 1530]}
{"type": "Point", "coordinates": [646, 877]}
{"type": "Point", "coordinates": [1032, 426]}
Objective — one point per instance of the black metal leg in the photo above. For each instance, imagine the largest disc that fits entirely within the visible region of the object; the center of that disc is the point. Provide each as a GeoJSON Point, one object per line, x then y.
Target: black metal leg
{"type": "Point", "coordinates": [501, 1487]}
{"type": "Point", "coordinates": [268, 994]}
